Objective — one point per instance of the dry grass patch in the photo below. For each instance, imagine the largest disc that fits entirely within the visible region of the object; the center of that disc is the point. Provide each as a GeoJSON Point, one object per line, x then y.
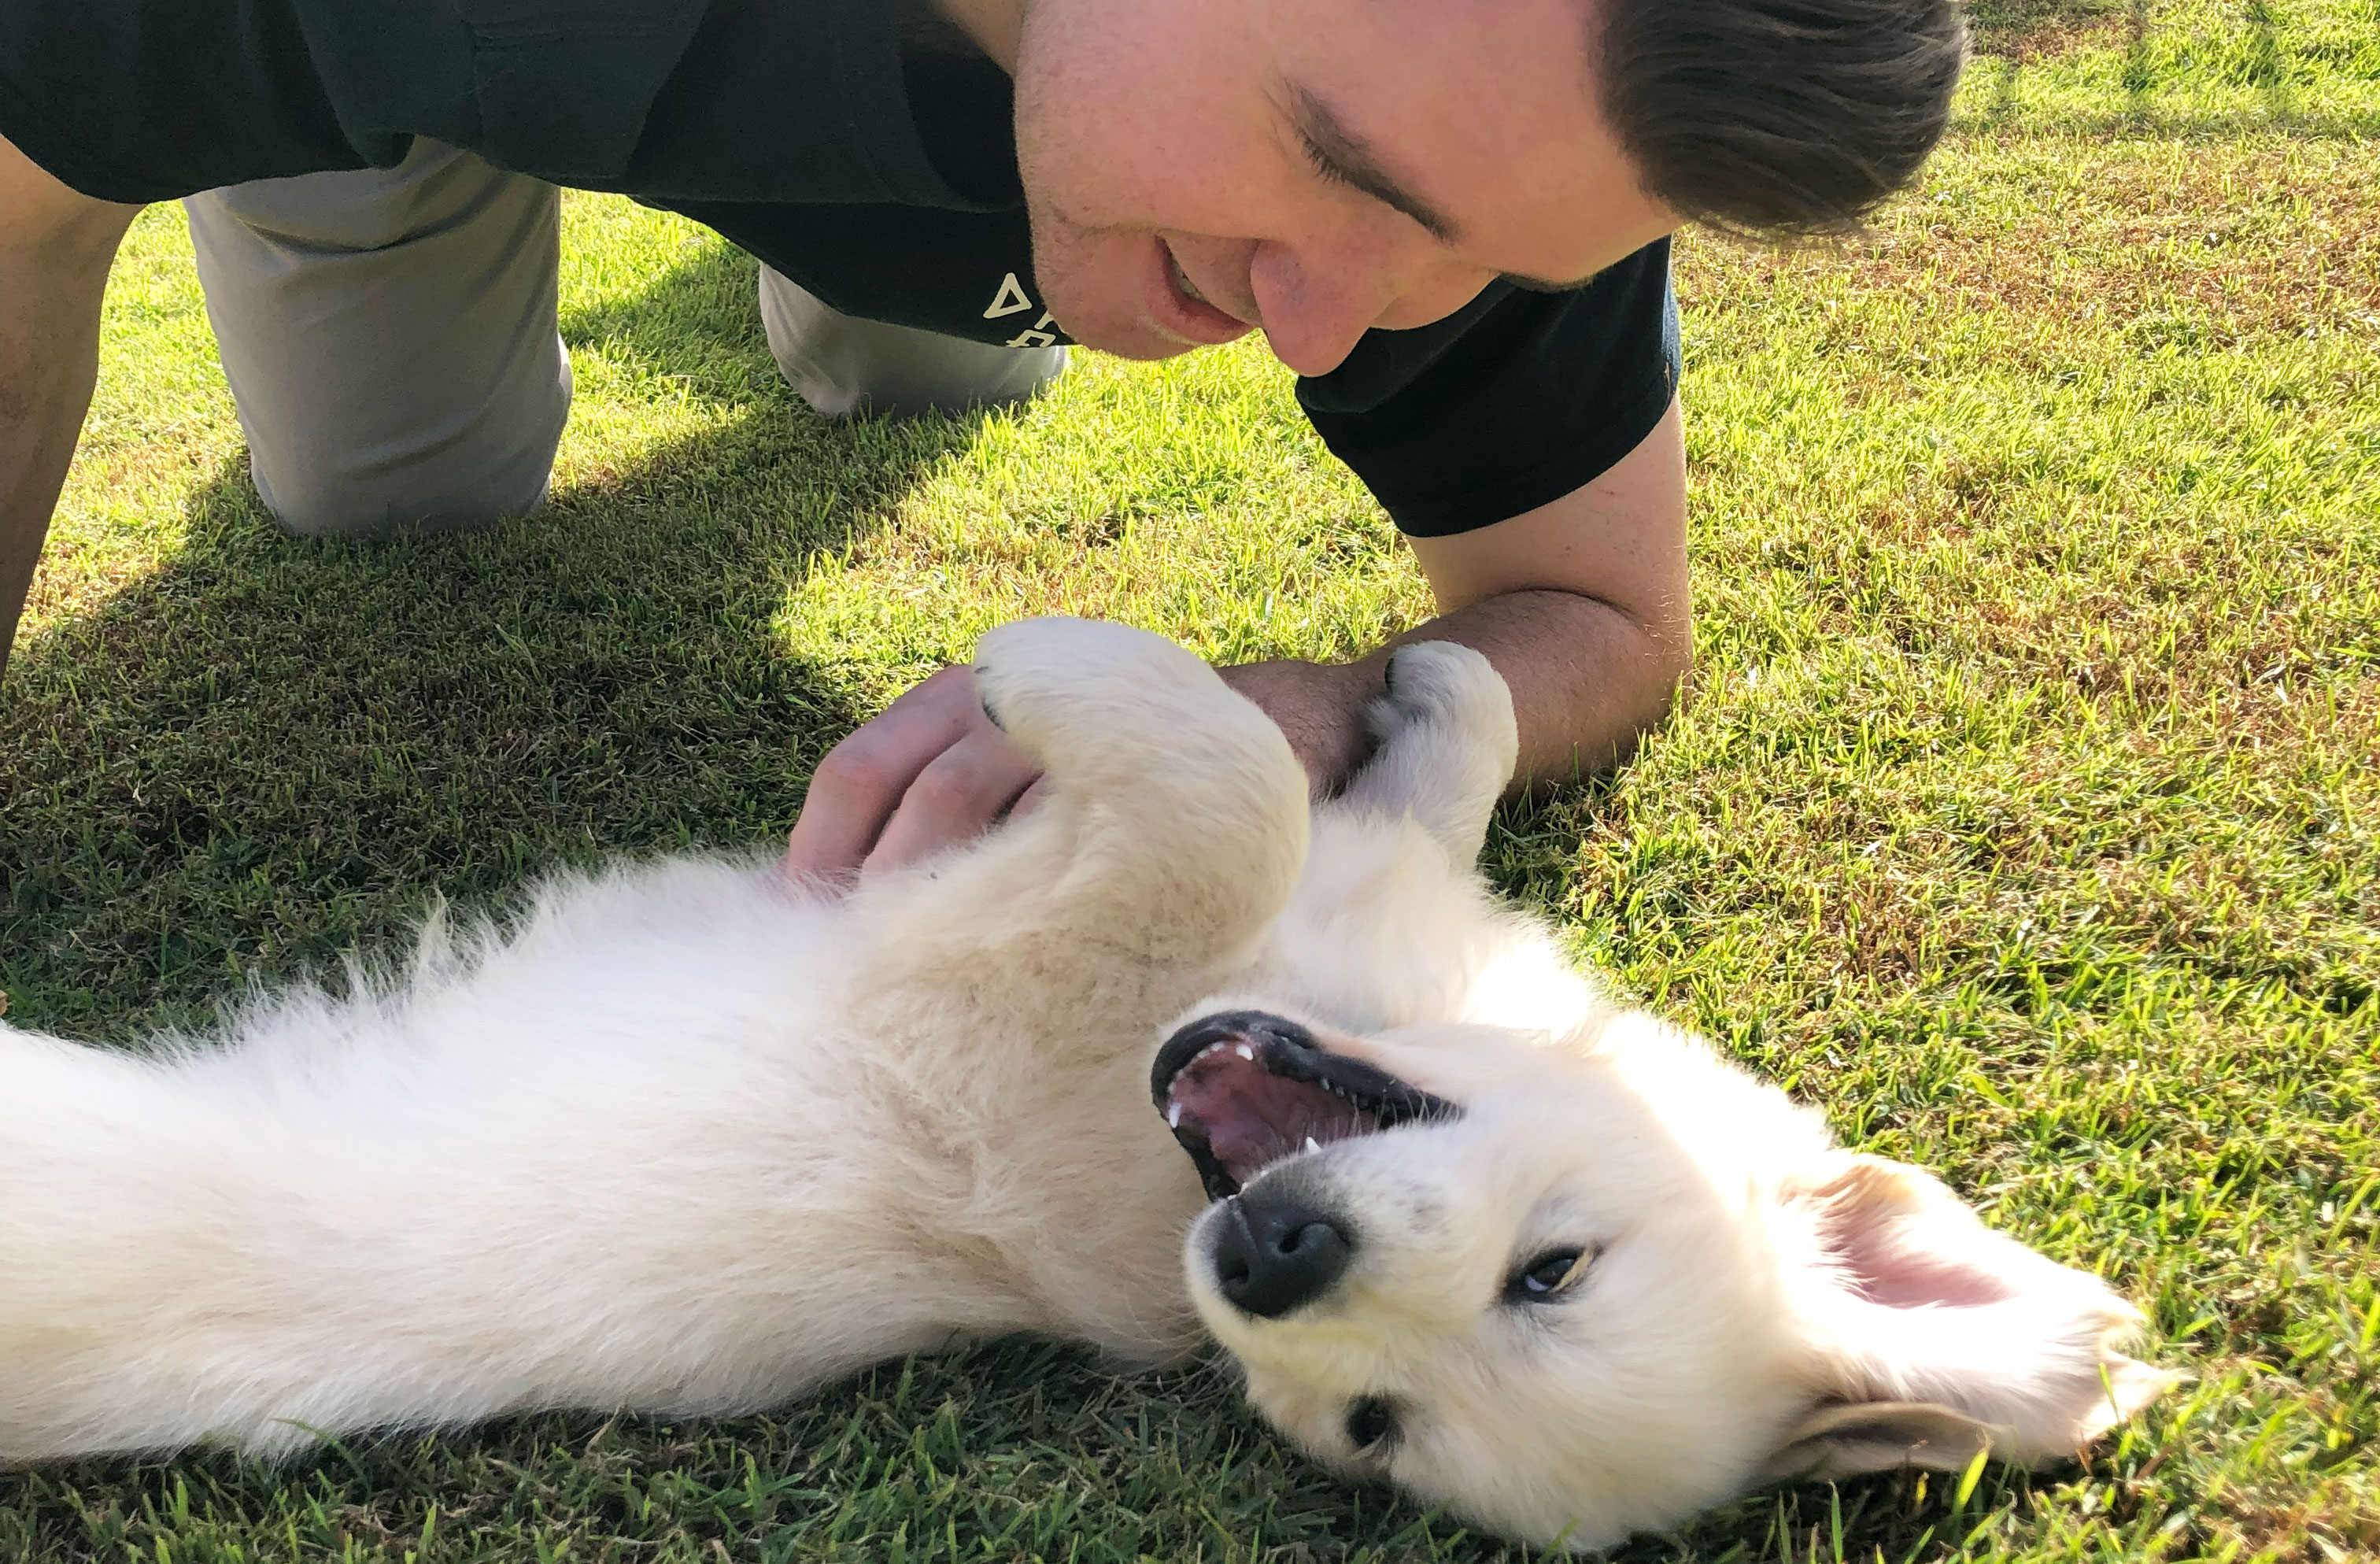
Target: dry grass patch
{"type": "Point", "coordinates": [2029, 32]}
{"type": "Point", "coordinates": [2275, 238]}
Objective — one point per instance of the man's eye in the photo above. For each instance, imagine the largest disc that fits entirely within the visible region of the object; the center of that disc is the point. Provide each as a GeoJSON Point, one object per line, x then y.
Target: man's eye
{"type": "Point", "coordinates": [1370, 1421]}
{"type": "Point", "coordinates": [1548, 1276]}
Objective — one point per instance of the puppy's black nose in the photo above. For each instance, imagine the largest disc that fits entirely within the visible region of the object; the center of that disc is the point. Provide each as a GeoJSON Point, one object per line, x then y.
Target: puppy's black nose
{"type": "Point", "coordinates": [1274, 1253]}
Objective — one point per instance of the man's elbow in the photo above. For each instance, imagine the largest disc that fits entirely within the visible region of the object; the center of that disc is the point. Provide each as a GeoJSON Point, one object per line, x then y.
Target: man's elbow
{"type": "Point", "coordinates": [1613, 698]}
{"type": "Point", "coordinates": [1669, 661]}
{"type": "Point", "coordinates": [1656, 681]}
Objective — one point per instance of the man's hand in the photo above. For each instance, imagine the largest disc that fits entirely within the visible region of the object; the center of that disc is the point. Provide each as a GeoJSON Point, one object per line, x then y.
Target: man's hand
{"type": "Point", "coordinates": [55, 247]}
{"type": "Point", "coordinates": [1581, 605]}
{"type": "Point", "coordinates": [932, 772]}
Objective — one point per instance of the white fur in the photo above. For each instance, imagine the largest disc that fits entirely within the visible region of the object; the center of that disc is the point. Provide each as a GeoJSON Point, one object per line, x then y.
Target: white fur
{"type": "Point", "coordinates": [695, 1140]}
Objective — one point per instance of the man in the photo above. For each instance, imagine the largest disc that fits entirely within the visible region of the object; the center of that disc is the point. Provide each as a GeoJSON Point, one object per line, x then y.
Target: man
{"type": "Point", "coordinates": [1448, 216]}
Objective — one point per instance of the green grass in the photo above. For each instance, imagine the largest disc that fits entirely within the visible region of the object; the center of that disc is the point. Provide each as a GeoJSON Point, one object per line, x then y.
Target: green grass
{"type": "Point", "coordinates": [2023, 810]}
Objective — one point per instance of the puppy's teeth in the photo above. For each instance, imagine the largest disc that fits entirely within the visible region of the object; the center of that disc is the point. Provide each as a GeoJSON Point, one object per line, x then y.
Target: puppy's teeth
{"type": "Point", "coordinates": [1173, 1116]}
{"type": "Point", "coordinates": [1312, 1145]}
{"type": "Point", "coordinates": [1245, 1052]}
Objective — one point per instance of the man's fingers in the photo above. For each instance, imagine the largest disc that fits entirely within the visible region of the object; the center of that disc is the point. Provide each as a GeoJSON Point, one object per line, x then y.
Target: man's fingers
{"type": "Point", "coordinates": [861, 782]}
{"type": "Point", "coordinates": [931, 771]}
{"type": "Point", "coordinates": [958, 797]}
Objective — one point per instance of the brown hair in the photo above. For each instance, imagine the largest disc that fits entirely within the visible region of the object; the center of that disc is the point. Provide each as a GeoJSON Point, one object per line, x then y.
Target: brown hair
{"type": "Point", "coordinates": [1776, 118]}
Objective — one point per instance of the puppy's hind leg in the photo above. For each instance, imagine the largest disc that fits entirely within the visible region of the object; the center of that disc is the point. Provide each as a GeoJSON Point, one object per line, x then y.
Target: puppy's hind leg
{"type": "Point", "coordinates": [1445, 746]}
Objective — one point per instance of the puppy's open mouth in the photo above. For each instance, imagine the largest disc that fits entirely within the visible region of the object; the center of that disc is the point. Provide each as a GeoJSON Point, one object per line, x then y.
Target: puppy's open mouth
{"type": "Point", "coordinates": [1244, 1090]}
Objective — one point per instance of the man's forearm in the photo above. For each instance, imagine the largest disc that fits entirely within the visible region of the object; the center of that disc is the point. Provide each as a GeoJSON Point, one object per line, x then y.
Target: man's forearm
{"type": "Point", "coordinates": [49, 361]}
{"type": "Point", "coordinates": [1588, 680]}
{"type": "Point", "coordinates": [55, 251]}
{"type": "Point", "coordinates": [1581, 605]}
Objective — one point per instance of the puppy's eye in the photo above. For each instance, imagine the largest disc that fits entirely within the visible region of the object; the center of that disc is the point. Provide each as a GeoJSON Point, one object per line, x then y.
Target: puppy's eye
{"type": "Point", "coordinates": [1548, 1276]}
{"type": "Point", "coordinates": [1370, 1421]}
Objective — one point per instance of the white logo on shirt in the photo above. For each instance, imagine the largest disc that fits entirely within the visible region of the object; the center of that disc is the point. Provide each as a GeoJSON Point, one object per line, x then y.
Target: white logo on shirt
{"type": "Point", "coordinates": [1013, 298]}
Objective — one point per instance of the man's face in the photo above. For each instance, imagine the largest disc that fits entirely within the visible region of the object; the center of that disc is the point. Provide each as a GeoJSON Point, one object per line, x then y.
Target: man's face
{"type": "Point", "coordinates": [1195, 168]}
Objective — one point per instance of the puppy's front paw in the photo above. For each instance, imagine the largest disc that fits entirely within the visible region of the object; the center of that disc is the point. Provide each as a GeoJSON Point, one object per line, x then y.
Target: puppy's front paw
{"type": "Point", "coordinates": [1036, 677]}
{"type": "Point", "coordinates": [1090, 697]}
{"type": "Point", "coordinates": [1194, 775]}
{"type": "Point", "coordinates": [1447, 686]}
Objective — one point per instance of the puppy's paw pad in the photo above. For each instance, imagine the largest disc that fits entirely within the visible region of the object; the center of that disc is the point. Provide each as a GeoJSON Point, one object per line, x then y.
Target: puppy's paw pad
{"type": "Point", "coordinates": [1440, 683]}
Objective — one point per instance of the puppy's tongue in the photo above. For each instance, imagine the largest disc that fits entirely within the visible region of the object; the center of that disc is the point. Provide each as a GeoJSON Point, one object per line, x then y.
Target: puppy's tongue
{"type": "Point", "coordinates": [1249, 1118]}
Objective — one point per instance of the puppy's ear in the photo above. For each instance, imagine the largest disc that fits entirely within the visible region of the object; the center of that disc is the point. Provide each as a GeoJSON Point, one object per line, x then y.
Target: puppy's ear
{"type": "Point", "coordinates": [1843, 1440]}
{"type": "Point", "coordinates": [1932, 1336]}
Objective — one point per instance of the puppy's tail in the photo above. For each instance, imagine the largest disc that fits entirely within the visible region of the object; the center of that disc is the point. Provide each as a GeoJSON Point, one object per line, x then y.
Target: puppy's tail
{"type": "Point", "coordinates": [92, 1202]}
{"type": "Point", "coordinates": [174, 1264]}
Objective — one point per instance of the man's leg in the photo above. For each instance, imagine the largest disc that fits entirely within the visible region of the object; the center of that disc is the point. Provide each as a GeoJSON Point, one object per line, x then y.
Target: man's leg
{"type": "Point", "coordinates": [389, 336]}
{"type": "Point", "coordinates": [843, 365]}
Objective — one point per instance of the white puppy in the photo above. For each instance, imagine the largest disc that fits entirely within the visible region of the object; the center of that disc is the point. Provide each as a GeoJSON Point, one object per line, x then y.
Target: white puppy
{"type": "Point", "coordinates": [695, 1140]}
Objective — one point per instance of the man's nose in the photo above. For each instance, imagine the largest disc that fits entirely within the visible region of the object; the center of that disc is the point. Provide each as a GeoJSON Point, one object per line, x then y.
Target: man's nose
{"type": "Point", "coordinates": [1314, 309]}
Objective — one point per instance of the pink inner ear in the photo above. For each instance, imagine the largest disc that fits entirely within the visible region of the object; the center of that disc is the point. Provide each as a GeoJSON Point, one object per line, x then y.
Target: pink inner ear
{"type": "Point", "coordinates": [1904, 1246]}
{"type": "Point", "coordinates": [1920, 1302]}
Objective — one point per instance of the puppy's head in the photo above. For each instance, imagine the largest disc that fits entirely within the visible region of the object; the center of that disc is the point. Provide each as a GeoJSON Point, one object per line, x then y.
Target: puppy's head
{"type": "Point", "coordinates": [1574, 1296]}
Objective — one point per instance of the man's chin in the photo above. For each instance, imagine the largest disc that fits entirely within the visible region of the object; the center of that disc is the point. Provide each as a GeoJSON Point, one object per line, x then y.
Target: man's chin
{"type": "Point", "coordinates": [1129, 339]}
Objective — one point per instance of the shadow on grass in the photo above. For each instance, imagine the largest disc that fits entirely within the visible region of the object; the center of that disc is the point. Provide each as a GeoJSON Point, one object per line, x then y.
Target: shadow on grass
{"type": "Point", "coordinates": [271, 750]}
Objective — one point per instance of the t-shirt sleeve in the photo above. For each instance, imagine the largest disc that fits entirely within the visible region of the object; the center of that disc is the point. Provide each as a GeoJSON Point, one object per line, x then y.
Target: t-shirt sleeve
{"type": "Point", "coordinates": [1510, 403]}
{"type": "Point", "coordinates": [149, 100]}
{"type": "Point", "coordinates": [704, 100]}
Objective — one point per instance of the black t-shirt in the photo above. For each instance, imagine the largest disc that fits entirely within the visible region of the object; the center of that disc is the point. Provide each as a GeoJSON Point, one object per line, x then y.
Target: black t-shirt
{"type": "Point", "coordinates": [882, 178]}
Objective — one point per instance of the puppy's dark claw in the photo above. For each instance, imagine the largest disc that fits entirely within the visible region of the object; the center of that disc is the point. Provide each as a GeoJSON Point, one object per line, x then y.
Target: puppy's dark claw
{"type": "Point", "coordinates": [989, 714]}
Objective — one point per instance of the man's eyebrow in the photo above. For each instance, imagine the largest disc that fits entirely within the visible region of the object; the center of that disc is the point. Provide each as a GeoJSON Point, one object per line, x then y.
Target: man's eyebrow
{"type": "Point", "coordinates": [1345, 158]}
{"type": "Point", "coordinates": [1340, 155]}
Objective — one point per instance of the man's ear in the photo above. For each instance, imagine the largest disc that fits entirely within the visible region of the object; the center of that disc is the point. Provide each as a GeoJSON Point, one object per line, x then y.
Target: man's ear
{"type": "Point", "coordinates": [1931, 1336]}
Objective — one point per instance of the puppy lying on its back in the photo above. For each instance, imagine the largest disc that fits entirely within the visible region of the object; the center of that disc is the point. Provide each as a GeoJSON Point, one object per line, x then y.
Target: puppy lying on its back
{"type": "Point", "coordinates": [695, 1140]}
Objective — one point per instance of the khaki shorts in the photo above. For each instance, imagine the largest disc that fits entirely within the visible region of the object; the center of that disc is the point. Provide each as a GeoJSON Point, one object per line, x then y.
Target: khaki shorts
{"type": "Point", "coordinates": [389, 336]}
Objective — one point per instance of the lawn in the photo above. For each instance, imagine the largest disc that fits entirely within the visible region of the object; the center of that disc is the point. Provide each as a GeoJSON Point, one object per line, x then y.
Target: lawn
{"type": "Point", "coordinates": [2024, 809]}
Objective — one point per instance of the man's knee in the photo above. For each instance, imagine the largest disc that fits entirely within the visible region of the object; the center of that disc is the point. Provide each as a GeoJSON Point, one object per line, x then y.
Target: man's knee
{"type": "Point", "coordinates": [335, 498]}
{"type": "Point", "coordinates": [389, 336]}
{"type": "Point", "coordinates": [843, 366]}
{"type": "Point", "coordinates": [445, 470]}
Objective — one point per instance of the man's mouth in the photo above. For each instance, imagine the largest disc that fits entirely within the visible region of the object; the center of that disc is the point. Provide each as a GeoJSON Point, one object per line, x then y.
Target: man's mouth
{"type": "Point", "coordinates": [1244, 1090]}
{"type": "Point", "coordinates": [1182, 279]}
{"type": "Point", "coordinates": [1184, 312]}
